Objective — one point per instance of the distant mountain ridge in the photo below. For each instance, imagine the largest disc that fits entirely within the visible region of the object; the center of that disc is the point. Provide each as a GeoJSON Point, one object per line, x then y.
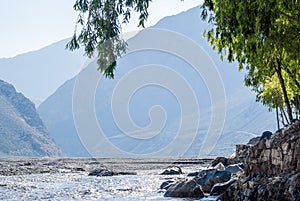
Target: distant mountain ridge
{"type": "Point", "coordinates": [39, 73]}
{"type": "Point", "coordinates": [244, 117]}
{"type": "Point", "coordinates": [22, 132]}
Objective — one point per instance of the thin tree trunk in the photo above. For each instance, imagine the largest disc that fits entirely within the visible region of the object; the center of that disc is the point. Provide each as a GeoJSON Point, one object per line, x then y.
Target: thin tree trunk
{"type": "Point", "coordinates": [285, 117]}
{"type": "Point", "coordinates": [282, 118]}
{"type": "Point", "coordinates": [277, 118]}
{"type": "Point", "coordinates": [296, 103]}
{"type": "Point", "coordinates": [284, 92]}
{"type": "Point", "coordinates": [293, 77]}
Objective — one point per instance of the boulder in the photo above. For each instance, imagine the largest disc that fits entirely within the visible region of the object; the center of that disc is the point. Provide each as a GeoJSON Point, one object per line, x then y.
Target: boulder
{"type": "Point", "coordinates": [101, 173]}
{"type": "Point", "coordinates": [218, 160]}
{"type": "Point", "coordinates": [193, 174]}
{"type": "Point", "coordinates": [263, 187]}
{"type": "Point", "coordinates": [234, 169]}
{"type": "Point", "coordinates": [295, 186]}
{"type": "Point", "coordinates": [166, 184]}
{"type": "Point", "coordinates": [185, 188]}
{"type": "Point", "coordinates": [211, 178]}
{"type": "Point", "coordinates": [220, 188]}
{"type": "Point", "coordinates": [219, 167]}
{"type": "Point", "coordinates": [172, 171]}
{"type": "Point", "coordinates": [266, 135]}
{"type": "Point", "coordinates": [125, 173]}
{"type": "Point", "coordinates": [203, 172]}
{"type": "Point", "coordinates": [254, 141]}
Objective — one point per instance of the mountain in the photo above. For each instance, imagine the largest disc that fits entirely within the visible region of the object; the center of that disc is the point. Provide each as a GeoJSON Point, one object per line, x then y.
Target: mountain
{"type": "Point", "coordinates": [22, 132]}
{"type": "Point", "coordinates": [50, 67]}
{"type": "Point", "coordinates": [155, 72]}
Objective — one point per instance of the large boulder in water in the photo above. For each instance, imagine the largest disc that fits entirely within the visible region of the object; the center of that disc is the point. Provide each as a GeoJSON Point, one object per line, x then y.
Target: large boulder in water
{"type": "Point", "coordinates": [185, 188]}
{"type": "Point", "coordinates": [166, 184]}
{"type": "Point", "coordinates": [220, 188]}
{"type": "Point", "coordinates": [218, 160]}
{"type": "Point", "coordinates": [211, 178]}
{"type": "Point", "coordinates": [101, 173]}
{"type": "Point", "coordinates": [234, 169]}
{"type": "Point", "coordinates": [172, 171]}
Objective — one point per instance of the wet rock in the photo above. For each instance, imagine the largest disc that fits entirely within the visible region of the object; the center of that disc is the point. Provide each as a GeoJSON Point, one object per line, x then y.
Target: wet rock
{"type": "Point", "coordinates": [105, 173]}
{"type": "Point", "coordinates": [211, 178]}
{"type": "Point", "coordinates": [185, 188]}
{"type": "Point", "coordinates": [261, 188]}
{"type": "Point", "coordinates": [220, 188]}
{"type": "Point", "coordinates": [193, 174]}
{"type": "Point", "coordinates": [219, 167]}
{"type": "Point", "coordinates": [101, 173]}
{"type": "Point", "coordinates": [172, 171]}
{"type": "Point", "coordinates": [234, 169]}
{"type": "Point", "coordinates": [218, 160]}
{"type": "Point", "coordinates": [125, 173]}
{"type": "Point", "coordinates": [79, 169]}
{"type": "Point", "coordinates": [203, 172]}
{"type": "Point", "coordinates": [166, 184]}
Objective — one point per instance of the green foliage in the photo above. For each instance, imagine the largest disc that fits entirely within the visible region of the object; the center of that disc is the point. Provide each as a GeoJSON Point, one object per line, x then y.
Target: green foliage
{"type": "Point", "coordinates": [99, 31]}
{"type": "Point", "coordinates": [263, 36]}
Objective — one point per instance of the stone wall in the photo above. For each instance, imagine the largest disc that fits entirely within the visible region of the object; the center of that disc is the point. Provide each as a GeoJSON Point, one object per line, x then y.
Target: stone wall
{"type": "Point", "coordinates": [276, 155]}
{"type": "Point", "coordinates": [272, 168]}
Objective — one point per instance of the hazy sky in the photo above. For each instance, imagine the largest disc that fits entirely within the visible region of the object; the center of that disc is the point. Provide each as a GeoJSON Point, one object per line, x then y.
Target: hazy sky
{"type": "Point", "coordinates": [28, 25]}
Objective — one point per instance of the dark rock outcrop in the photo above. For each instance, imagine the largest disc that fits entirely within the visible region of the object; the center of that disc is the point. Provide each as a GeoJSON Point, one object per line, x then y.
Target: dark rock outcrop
{"type": "Point", "coordinates": [272, 169]}
{"type": "Point", "coordinates": [261, 188]}
{"type": "Point", "coordinates": [220, 188]}
{"type": "Point", "coordinates": [185, 188]}
{"type": "Point", "coordinates": [212, 177]}
{"type": "Point", "coordinates": [276, 155]}
{"type": "Point", "coordinates": [218, 160]}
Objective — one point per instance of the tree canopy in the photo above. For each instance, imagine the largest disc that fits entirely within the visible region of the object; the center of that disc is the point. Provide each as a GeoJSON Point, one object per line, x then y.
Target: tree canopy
{"type": "Point", "coordinates": [99, 28]}
{"type": "Point", "coordinates": [264, 38]}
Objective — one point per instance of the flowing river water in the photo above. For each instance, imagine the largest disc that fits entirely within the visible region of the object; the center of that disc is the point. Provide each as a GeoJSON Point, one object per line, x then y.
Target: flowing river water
{"type": "Point", "coordinates": [67, 179]}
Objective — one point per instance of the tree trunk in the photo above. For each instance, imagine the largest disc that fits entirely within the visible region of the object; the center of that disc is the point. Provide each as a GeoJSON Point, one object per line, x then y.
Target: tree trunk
{"type": "Point", "coordinates": [285, 117]}
{"type": "Point", "coordinates": [277, 118]}
{"type": "Point", "coordinates": [293, 77]}
{"type": "Point", "coordinates": [284, 92]}
{"type": "Point", "coordinates": [282, 117]}
{"type": "Point", "coordinates": [296, 103]}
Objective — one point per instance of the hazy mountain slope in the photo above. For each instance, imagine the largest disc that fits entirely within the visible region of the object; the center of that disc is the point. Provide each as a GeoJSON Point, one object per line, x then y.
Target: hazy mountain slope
{"type": "Point", "coordinates": [244, 117]}
{"type": "Point", "coordinates": [39, 73]}
{"type": "Point", "coordinates": [57, 114]}
{"type": "Point", "coordinates": [22, 132]}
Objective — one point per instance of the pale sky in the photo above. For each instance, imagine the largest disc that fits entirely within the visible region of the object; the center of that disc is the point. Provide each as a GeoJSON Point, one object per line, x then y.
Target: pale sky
{"type": "Point", "coordinates": [28, 25]}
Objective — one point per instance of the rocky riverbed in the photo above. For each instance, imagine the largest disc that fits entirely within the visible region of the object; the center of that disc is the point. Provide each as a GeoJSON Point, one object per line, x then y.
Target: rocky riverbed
{"type": "Point", "coordinates": [71, 179]}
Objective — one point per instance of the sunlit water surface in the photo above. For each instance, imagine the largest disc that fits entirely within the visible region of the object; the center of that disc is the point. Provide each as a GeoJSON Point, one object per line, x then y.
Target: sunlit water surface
{"type": "Point", "coordinates": [79, 186]}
